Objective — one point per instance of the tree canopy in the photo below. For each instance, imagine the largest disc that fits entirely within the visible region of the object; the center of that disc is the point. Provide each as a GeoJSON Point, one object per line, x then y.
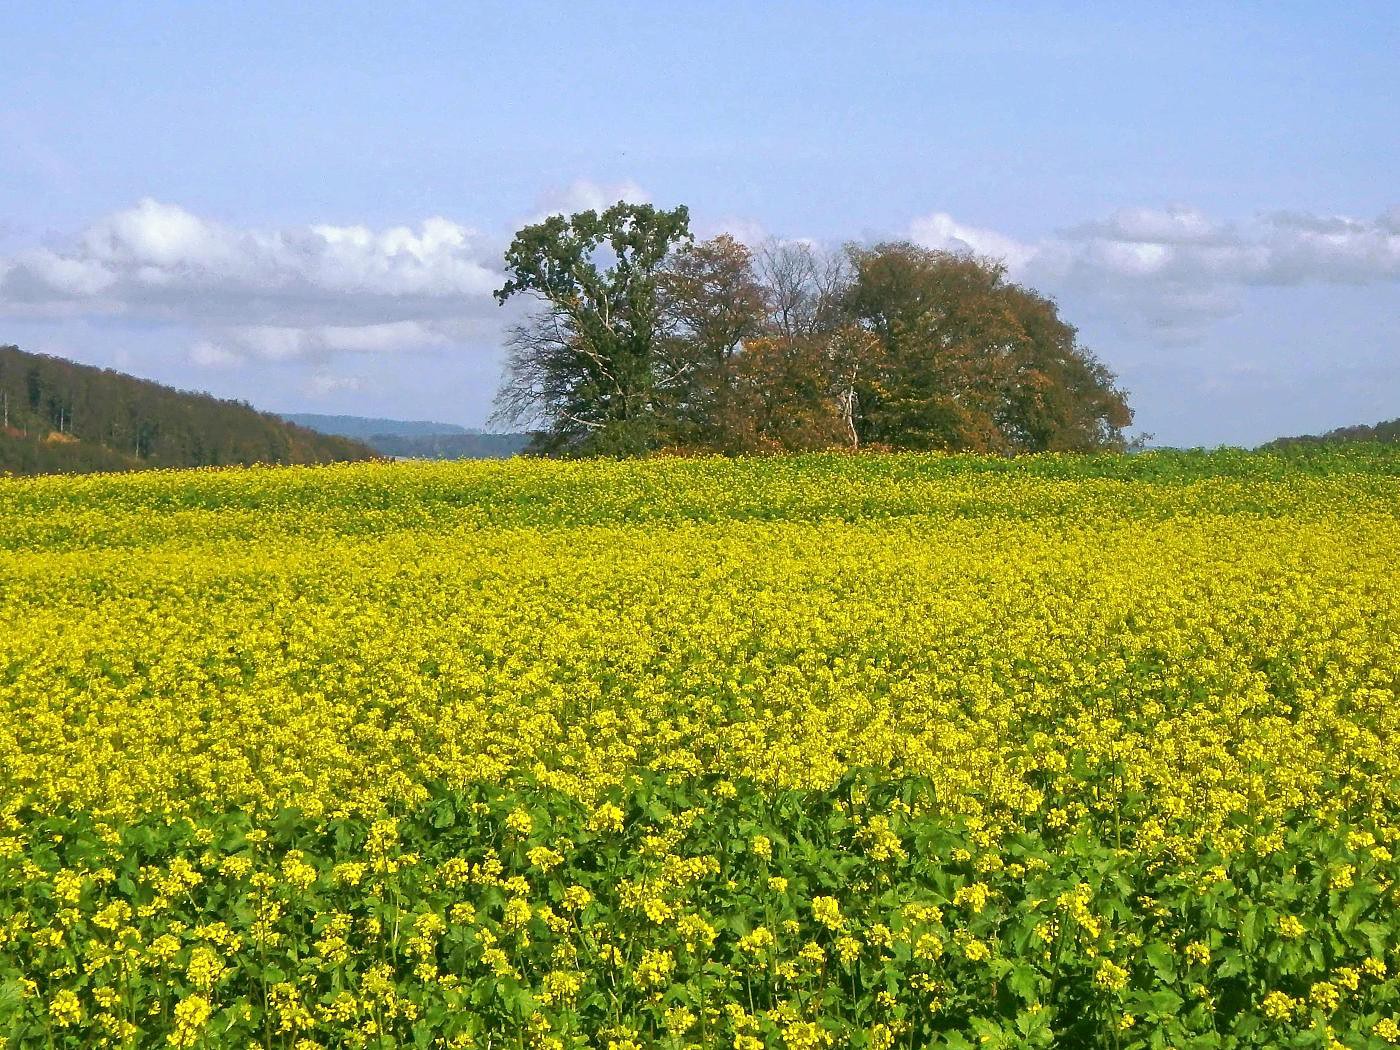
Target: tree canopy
{"type": "Point", "coordinates": [647, 340]}
{"type": "Point", "coordinates": [588, 364]}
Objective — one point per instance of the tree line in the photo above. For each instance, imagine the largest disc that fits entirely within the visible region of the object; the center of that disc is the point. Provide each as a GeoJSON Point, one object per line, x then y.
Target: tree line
{"type": "Point", "coordinates": [59, 416]}
{"type": "Point", "coordinates": [645, 340]}
{"type": "Point", "coordinates": [1387, 432]}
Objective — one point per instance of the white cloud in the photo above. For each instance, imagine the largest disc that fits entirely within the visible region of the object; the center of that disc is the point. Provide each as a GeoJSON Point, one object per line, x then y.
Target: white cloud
{"type": "Point", "coordinates": [1173, 225]}
{"type": "Point", "coordinates": [313, 292]}
{"type": "Point", "coordinates": [324, 384]}
{"type": "Point", "coordinates": [1177, 268]}
{"type": "Point", "coordinates": [291, 343]}
{"type": "Point", "coordinates": [279, 294]}
{"type": "Point", "coordinates": [154, 254]}
{"type": "Point", "coordinates": [212, 355]}
{"type": "Point", "coordinates": [746, 231]}
{"type": "Point", "coordinates": [268, 294]}
{"type": "Point", "coordinates": [940, 230]}
{"type": "Point", "coordinates": [42, 275]}
{"type": "Point", "coordinates": [584, 195]}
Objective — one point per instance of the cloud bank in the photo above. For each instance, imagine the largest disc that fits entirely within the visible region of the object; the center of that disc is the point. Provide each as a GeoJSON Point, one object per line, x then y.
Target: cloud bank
{"type": "Point", "coordinates": [308, 294]}
{"type": "Point", "coordinates": [1178, 268]}
{"type": "Point", "coordinates": [272, 294]}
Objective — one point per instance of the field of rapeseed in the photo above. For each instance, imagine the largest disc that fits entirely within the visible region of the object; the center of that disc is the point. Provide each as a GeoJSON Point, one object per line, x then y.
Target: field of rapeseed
{"type": "Point", "coordinates": [900, 751]}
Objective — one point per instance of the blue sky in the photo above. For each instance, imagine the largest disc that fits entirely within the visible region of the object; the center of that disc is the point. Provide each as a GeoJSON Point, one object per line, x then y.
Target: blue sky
{"type": "Point", "coordinates": [306, 210]}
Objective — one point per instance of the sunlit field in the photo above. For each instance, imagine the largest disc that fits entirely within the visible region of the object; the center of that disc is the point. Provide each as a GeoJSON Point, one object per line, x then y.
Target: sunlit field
{"type": "Point", "coordinates": [884, 751]}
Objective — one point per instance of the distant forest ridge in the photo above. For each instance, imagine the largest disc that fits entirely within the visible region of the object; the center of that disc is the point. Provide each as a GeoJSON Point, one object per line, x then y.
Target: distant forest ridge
{"type": "Point", "coordinates": [416, 439]}
{"type": "Point", "coordinates": [57, 416]}
{"type": "Point", "coordinates": [362, 427]}
{"type": "Point", "coordinates": [450, 446]}
{"type": "Point", "coordinates": [1387, 431]}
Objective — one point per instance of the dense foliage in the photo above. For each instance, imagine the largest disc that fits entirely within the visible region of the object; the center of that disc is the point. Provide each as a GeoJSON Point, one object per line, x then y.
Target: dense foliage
{"type": "Point", "coordinates": [875, 751]}
{"type": "Point", "coordinates": [586, 365]}
{"type": "Point", "coordinates": [645, 339]}
{"type": "Point", "coordinates": [1387, 431]}
{"type": "Point", "coordinates": [60, 417]}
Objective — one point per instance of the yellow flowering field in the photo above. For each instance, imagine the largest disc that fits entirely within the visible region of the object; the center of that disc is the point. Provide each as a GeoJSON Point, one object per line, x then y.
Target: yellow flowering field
{"type": "Point", "coordinates": [881, 751]}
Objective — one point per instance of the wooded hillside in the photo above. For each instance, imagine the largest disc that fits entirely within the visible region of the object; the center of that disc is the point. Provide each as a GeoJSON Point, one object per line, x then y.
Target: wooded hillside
{"type": "Point", "coordinates": [60, 417]}
{"type": "Point", "coordinates": [1387, 431]}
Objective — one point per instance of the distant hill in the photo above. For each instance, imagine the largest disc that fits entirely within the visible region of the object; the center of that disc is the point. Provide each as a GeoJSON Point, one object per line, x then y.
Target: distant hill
{"type": "Point", "coordinates": [416, 439]}
{"type": "Point", "coordinates": [450, 446]}
{"type": "Point", "coordinates": [57, 416]}
{"type": "Point", "coordinates": [362, 427]}
{"type": "Point", "coordinates": [1388, 432]}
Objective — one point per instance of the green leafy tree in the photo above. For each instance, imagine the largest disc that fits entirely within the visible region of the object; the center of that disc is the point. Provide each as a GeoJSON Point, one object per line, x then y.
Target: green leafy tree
{"type": "Point", "coordinates": [586, 368]}
{"type": "Point", "coordinates": [971, 361]}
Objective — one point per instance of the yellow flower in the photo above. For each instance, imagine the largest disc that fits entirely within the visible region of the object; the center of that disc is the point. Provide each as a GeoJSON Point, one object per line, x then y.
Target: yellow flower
{"type": "Point", "coordinates": [205, 968]}
{"type": "Point", "coordinates": [520, 822]}
{"type": "Point", "coordinates": [544, 858]}
{"type": "Point", "coordinates": [576, 898]}
{"type": "Point", "coordinates": [165, 947]}
{"type": "Point", "coordinates": [678, 1020]}
{"type": "Point", "coordinates": [64, 1009]}
{"type": "Point", "coordinates": [1110, 976]}
{"type": "Point", "coordinates": [560, 986]}
{"type": "Point", "coordinates": [1324, 996]}
{"type": "Point", "coordinates": [655, 968]}
{"type": "Point", "coordinates": [756, 941]}
{"type": "Point", "coordinates": [805, 1035]}
{"type": "Point", "coordinates": [191, 1015]}
{"type": "Point", "coordinates": [977, 951]}
{"type": "Point", "coordinates": [930, 947]}
{"type": "Point", "coordinates": [973, 896]}
{"type": "Point", "coordinates": [695, 932]}
{"type": "Point", "coordinates": [517, 913]}
{"type": "Point", "coordinates": [607, 817]}
{"type": "Point", "coordinates": [383, 837]}
{"type": "Point", "coordinates": [296, 871]}
{"type": "Point", "coordinates": [847, 950]}
{"type": "Point", "coordinates": [827, 912]}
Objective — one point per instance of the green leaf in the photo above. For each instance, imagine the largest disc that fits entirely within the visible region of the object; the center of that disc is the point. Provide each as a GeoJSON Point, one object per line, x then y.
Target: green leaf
{"type": "Point", "coordinates": [1161, 958]}
{"type": "Point", "coordinates": [1026, 982]}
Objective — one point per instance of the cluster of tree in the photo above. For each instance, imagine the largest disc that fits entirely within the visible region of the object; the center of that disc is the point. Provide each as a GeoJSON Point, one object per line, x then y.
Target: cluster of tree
{"type": "Point", "coordinates": [647, 340]}
{"type": "Point", "coordinates": [1387, 432]}
{"type": "Point", "coordinates": [58, 416]}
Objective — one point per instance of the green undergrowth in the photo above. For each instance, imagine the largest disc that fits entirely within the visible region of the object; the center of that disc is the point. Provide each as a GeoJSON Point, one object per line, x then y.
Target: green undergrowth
{"type": "Point", "coordinates": [693, 913]}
